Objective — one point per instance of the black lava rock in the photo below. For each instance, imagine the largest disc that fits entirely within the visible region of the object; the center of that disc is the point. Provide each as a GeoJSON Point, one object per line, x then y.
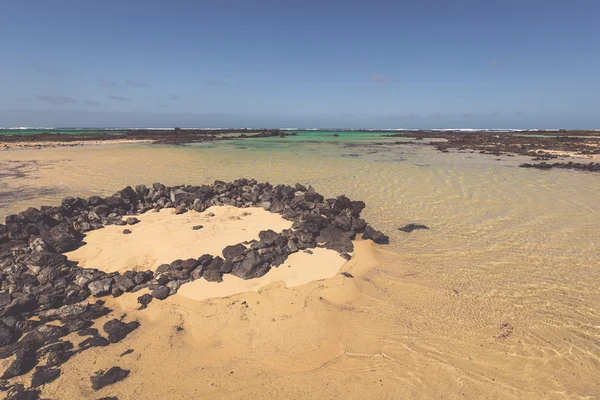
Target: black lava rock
{"type": "Point", "coordinates": [161, 292]}
{"type": "Point", "coordinates": [335, 239]}
{"type": "Point", "coordinates": [411, 227]}
{"type": "Point", "coordinates": [94, 341]}
{"type": "Point", "coordinates": [43, 375]}
{"type": "Point", "coordinates": [105, 378]}
{"type": "Point", "coordinates": [24, 362]}
{"type": "Point", "coordinates": [144, 300]}
{"type": "Point", "coordinates": [117, 330]}
{"type": "Point", "coordinates": [375, 236]}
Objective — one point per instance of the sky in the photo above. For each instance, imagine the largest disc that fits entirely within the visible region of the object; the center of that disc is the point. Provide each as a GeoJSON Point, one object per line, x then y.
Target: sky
{"type": "Point", "coordinates": [328, 63]}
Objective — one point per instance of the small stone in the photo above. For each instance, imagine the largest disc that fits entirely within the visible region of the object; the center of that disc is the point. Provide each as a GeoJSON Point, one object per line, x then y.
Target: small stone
{"type": "Point", "coordinates": [43, 375]}
{"type": "Point", "coordinates": [88, 332]}
{"type": "Point", "coordinates": [411, 227]}
{"type": "Point", "coordinates": [347, 274]}
{"type": "Point", "coordinates": [234, 253]}
{"type": "Point", "coordinates": [161, 292]}
{"type": "Point", "coordinates": [18, 392]}
{"type": "Point", "coordinates": [24, 362]}
{"type": "Point", "coordinates": [210, 214]}
{"type": "Point", "coordinates": [105, 378]}
{"type": "Point", "coordinates": [132, 221]}
{"type": "Point", "coordinates": [126, 231]}
{"type": "Point", "coordinates": [101, 287]}
{"type": "Point", "coordinates": [94, 341]}
{"type": "Point", "coordinates": [144, 300]}
{"type": "Point", "coordinates": [197, 227]}
{"type": "Point", "coordinates": [77, 325]}
{"type": "Point", "coordinates": [376, 236]}
{"type": "Point", "coordinates": [128, 351]}
{"type": "Point", "coordinates": [118, 330]}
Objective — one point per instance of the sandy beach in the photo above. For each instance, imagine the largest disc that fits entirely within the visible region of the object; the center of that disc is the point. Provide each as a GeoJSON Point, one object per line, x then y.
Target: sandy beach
{"type": "Point", "coordinates": [8, 146]}
{"type": "Point", "coordinates": [496, 300]}
{"type": "Point", "coordinates": [163, 237]}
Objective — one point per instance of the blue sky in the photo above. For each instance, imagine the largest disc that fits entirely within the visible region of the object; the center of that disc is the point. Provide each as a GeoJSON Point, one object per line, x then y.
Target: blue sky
{"type": "Point", "coordinates": [328, 63]}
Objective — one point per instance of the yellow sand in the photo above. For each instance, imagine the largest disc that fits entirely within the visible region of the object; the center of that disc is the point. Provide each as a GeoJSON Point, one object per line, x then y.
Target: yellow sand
{"type": "Point", "coordinates": [299, 269]}
{"type": "Point", "coordinates": [287, 338]}
{"type": "Point", "coordinates": [48, 144]}
{"type": "Point", "coordinates": [498, 300]}
{"type": "Point", "coordinates": [162, 237]}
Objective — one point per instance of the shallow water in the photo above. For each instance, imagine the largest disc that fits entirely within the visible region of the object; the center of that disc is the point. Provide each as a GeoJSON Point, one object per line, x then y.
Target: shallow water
{"type": "Point", "coordinates": [499, 298]}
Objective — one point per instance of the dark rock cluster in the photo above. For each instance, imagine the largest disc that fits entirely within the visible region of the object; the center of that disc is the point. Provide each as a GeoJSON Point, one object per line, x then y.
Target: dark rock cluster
{"type": "Point", "coordinates": [524, 143]}
{"type": "Point", "coordinates": [412, 227]}
{"type": "Point", "coordinates": [591, 167]}
{"type": "Point", "coordinates": [43, 294]}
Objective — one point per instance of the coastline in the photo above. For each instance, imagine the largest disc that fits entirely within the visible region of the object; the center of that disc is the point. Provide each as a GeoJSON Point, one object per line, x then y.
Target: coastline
{"type": "Point", "coordinates": [178, 136]}
{"type": "Point", "coordinates": [460, 308]}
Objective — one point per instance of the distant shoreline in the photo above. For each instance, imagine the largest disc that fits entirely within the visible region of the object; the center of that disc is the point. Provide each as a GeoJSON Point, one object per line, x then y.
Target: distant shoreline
{"type": "Point", "coordinates": [174, 136]}
{"type": "Point", "coordinates": [120, 132]}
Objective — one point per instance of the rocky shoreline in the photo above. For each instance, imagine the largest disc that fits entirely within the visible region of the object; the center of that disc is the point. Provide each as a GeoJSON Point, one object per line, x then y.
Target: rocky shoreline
{"type": "Point", "coordinates": [175, 136]}
{"type": "Point", "coordinates": [590, 167]}
{"type": "Point", "coordinates": [44, 296]}
{"type": "Point", "coordinates": [539, 148]}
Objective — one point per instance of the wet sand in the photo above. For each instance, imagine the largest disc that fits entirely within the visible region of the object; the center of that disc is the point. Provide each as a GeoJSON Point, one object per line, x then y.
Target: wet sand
{"type": "Point", "coordinates": [498, 299]}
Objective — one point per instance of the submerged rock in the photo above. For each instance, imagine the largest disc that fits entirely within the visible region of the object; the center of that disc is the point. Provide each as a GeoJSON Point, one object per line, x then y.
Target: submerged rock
{"type": "Point", "coordinates": [411, 227]}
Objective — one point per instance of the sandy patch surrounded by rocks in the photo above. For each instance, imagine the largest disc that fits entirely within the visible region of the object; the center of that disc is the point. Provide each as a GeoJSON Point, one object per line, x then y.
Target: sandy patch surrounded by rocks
{"type": "Point", "coordinates": [299, 268]}
{"type": "Point", "coordinates": [162, 237]}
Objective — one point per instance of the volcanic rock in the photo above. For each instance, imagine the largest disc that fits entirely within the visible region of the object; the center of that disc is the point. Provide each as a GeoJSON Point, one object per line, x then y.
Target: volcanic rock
{"type": "Point", "coordinates": [375, 236]}
{"type": "Point", "coordinates": [18, 392]}
{"type": "Point", "coordinates": [101, 287]}
{"type": "Point", "coordinates": [234, 253]}
{"type": "Point", "coordinates": [24, 362]}
{"type": "Point", "coordinates": [94, 341]}
{"type": "Point", "coordinates": [411, 227]}
{"type": "Point", "coordinates": [57, 353]}
{"type": "Point", "coordinates": [161, 292]}
{"type": "Point", "coordinates": [117, 330]}
{"type": "Point", "coordinates": [105, 378]}
{"type": "Point", "coordinates": [335, 239]}
{"type": "Point", "coordinates": [7, 334]}
{"type": "Point", "coordinates": [144, 300]}
{"type": "Point", "coordinates": [43, 375]}
{"type": "Point", "coordinates": [251, 267]}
